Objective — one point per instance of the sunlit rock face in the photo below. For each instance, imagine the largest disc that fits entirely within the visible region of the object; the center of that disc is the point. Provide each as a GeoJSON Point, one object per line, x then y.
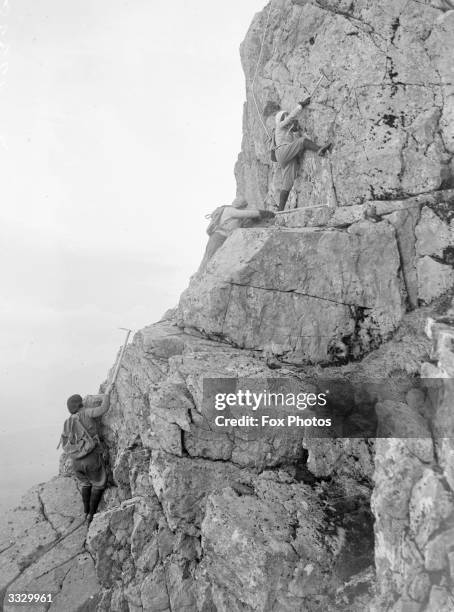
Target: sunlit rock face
{"type": "Point", "coordinates": [297, 292]}
{"type": "Point", "coordinates": [387, 104]}
{"type": "Point", "coordinates": [324, 278]}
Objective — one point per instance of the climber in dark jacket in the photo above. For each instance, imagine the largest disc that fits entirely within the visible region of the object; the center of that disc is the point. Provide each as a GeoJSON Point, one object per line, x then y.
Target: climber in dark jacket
{"type": "Point", "coordinates": [90, 470]}
{"type": "Point", "coordinates": [289, 145]}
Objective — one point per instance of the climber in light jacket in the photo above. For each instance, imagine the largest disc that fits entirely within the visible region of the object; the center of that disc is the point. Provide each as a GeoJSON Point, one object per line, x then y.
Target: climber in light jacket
{"type": "Point", "coordinates": [90, 470]}
{"type": "Point", "coordinates": [289, 145]}
{"type": "Point", "coordinates": [231, 219]}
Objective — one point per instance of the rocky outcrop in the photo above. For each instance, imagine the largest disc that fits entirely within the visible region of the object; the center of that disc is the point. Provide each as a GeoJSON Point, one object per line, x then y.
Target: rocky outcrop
{"type": "Point", "coordinates": [207, 519]}
{"type": "Point", "coordinates": [42, 544]}
{"type": "Point", "coordinates": [387, 104]}
{"type": "Point", "coordinates": [295, 292]}
{"type": "Point", "coordinates": [310, 284]}
{"type": "Point", "coordinates": [413, 498]}
{"type": "Point", "coordinates": [202, 518]}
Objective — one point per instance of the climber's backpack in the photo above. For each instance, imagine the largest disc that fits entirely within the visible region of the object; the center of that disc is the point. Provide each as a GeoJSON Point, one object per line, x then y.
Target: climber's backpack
{"type": "Point", "coordinates": [273, 146]}
{"type": "Point", "coordinates": [75, 439]}
{"type": "Point", "coordinates": [215, 220]}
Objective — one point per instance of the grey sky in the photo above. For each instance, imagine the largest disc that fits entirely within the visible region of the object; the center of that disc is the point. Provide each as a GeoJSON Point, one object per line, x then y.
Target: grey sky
{"type": "Point", "coordinates": [120, 124]}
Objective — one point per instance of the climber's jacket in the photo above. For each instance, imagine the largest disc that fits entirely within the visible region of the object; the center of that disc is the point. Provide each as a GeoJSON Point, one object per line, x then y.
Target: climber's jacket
{"type": "Point", "coordinates": [87, 416]}
{"type": "Point", "coordinates": [284, 132]}
{"type": "Point", "coordinates": [232, 218]}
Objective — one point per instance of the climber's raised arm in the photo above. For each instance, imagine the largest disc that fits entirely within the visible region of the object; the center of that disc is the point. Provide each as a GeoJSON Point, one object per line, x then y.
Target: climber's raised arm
{"type": "Point", "coordinates": [284, 119]}
{"type": "Point", "coordinates": [250, 213]}
{"type": "Point", "coordinates": [103, 407]}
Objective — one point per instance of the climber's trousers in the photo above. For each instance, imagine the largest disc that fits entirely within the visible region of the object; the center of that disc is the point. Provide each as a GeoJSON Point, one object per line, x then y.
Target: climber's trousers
{"type": "Point", "coordinates": [90, 470]}
{"type": "Point", "coordinates": [287, 156]}
{"type": "Point", "coordinates": [215, 241]}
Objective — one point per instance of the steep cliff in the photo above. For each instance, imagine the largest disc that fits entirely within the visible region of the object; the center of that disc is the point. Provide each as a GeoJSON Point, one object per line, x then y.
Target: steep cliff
{"type": "Point", "coordinates": [202, 519]}
{"type": "Point", "coordinates": [387, 106]}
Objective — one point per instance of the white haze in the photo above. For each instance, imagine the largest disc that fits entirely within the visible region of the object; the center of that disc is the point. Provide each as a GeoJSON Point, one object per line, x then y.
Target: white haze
{"type": "Point", "coordinates": [120, 124]}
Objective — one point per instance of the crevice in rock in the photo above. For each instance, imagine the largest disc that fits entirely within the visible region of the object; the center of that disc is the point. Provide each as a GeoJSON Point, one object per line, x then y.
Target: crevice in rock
{"type": "Point", "coordinates": [368, 28]}
{"type": "Point", "coordinates": [447, 257]}
{"type": "Point", "coordinates": [226, 312]}
{"type": "Point", "coordinates": [296, 292]}
{"type": "Point", "coordinates": [2, 550]}
{"type": "Point", "coordinates": [63, 563]}
{"type": "Point", "coordinates": [42, 510]}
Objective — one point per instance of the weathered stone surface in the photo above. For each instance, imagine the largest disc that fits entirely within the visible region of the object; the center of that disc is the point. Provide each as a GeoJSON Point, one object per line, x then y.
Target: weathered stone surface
{"type": "Point", "coordinates": [202, 520]}
{"type": "Point", "coordinates": [434, 279]}
{"type": "Point", "coordinates": [430, 505]}
{"type": "Point", "coordinates": [433, 235]}
{"type": "Point", "coordinates": [263, 549]}
{"type": "Point", "coordinates": [292, 535]}
{"type": "Point", "coordinates": [297, 292]}
{"type": "Point", "coordinates": [414, 503]}
{"type": "Point", "coordinates": [404, 222]}
{"type": "Point", "coordinates": [182, 485]}
{"type": "Point", "coordinates": [387, 106]}
{"type": "Point", "coordinates": [322, 216]}
{"type": "Point", "coordinates": [441, 600]}
{"type": "Point", "coordinates": [433, 198]}
{"type": "Point", "coordinates": [42, 549]}
{"type": "Point", "coordinates": [436, 554]}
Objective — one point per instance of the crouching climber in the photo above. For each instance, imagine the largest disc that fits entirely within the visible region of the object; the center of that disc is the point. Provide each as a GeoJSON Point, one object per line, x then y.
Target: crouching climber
{"type": "Point", "coordinates": [288, 146]}
{"type": "Point", "coordinates": [226, 219]}
{"type": "Point", "coordinates": [80, 441]}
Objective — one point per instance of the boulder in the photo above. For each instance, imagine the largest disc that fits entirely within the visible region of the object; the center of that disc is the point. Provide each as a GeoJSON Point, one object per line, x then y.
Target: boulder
{"type": "Point", "coordinates": [434, 279]}
{"type": "Point", "coordinates": [297, 292]}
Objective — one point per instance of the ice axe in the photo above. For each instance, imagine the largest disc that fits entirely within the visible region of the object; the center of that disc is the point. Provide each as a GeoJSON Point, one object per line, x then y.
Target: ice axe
{"type": "Point", "coordinates": [318, 83]}
{"type": "Point", "coordinates": [123, 348]}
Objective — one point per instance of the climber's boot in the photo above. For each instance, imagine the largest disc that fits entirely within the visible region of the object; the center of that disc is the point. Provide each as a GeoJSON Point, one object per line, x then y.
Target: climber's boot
{"type": "Point", "coordinates": [86, 493]}
{"type": "Point", "coordinates": [283, 197]}
{"type": "Point", "coordinates": [323, 150]}
{"type": "Point", "coordinates": [95, 498]}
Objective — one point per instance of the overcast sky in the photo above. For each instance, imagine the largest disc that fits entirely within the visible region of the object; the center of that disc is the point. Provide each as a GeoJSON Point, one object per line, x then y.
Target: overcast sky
{"type": "Point", "coordinates": [120, 125]}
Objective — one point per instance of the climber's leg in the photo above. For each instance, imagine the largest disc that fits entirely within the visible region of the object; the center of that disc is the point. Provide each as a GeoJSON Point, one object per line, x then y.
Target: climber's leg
{"type": "Point", "coordinates": [309, 145]}
{"type": "Point", "coordinates": [325, 149]}
{"type": "Point", "coordinates": [288, 152]}
{"type": "Point", "coordinates": [95, 470]}
{"type": "Point", "coordinates": [95, 498]}
{"type": "Point", "coordinates": [86, 492]}
{"type": "Point", "coordinates": [283, 196]}
{"type": "Point", "coordinates": [215, 241]}
{"type": "Point", "coordinates": [289, 173]}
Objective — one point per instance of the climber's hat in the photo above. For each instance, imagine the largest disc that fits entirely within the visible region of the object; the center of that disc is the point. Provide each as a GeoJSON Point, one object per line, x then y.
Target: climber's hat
{"type": "Point", "coordinates": [280, 116]}
{"type": "Point", "coordinates": [74, 403]}
{"type": "Point", "coordinates": [239, 203]}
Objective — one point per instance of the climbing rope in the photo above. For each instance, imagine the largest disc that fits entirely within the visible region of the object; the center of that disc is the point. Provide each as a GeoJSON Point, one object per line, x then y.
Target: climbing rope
{"type": "Point", "coordinates": [256, 72]}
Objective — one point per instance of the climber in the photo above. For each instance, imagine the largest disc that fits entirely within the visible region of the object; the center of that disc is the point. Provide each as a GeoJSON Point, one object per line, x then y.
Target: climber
{"type": "Point", "coordinates": [226, 219]}
{"type": "Point", "coordinates": [288, 145]}
{"type": "Point", "coordinates": [80, 441]}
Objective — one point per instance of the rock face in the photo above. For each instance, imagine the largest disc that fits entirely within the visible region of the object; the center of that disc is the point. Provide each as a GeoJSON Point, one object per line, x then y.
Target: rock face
{"type": "Point", "coordinates": [387, 104]}
{"type": "Point", "coordinates": [414, 509]}
{"type": "Point", "coordinates": [199, 518]}
{"type": "Point", "coordinates": [202, 519]}
{"type": "Point", "coordinates": [324, 278]}
{"type": "Point", "coordinates": [42, 544]}
{"type": "Point", "coordinates": [295, 292]}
